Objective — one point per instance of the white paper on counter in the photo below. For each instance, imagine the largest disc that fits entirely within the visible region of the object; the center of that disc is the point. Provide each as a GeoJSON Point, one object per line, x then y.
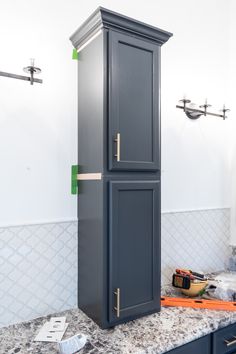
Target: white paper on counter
{"type": "Point", "coordinates": [47, 335]}
{"type": "Point", "coordinates": [57, 323]}
{"type": "Point", "coordinates": [72, 344]}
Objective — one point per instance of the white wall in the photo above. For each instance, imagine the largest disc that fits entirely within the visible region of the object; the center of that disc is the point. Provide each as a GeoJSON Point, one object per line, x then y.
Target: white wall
{"type": "Point", "coordinates": [38, 124]}
{"type": "Point", "coordinates": [195, 153]}
{"type": "Point", "coordinates": [231, 92]}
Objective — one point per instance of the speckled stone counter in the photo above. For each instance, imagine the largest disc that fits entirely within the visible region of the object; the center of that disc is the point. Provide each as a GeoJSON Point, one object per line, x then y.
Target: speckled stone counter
{"type": "Point", "coordinates": [156, 333]}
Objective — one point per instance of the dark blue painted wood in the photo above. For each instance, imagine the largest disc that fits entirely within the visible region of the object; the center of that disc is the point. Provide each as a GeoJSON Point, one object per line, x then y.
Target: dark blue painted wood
{"type": "Point", "coordinates": [199, 346]}
{"type": "Point", "coordinates": [91, 273]}
{"type": "Point", "coordinates": [219, 337]}
{"type": "Point", "coordinates": [134, 255]}
{"type": "Point", "coordinates": [133, 103]}
{"type": "Point", "coordinates": [90, 116]}
{"type": "Point", "coordinates": [118, 74]}
{"type": "Point", "coordinates": [104, 18]}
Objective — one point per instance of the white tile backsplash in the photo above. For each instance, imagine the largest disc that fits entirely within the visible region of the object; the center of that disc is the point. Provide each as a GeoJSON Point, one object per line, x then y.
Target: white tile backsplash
{"type": "Point", "coordinates": [38, 270]}
{"type": "Point", "coordinates": [197, 240]}
{"type": "Point", "coordinates": [38, 263]}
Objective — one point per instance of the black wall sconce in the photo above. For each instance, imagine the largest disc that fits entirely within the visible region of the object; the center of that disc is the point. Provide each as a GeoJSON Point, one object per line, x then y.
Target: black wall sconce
{"type": "Point", "coordinates": [195, 113]}
{"type": "Point", "coordinates": [31, 69]}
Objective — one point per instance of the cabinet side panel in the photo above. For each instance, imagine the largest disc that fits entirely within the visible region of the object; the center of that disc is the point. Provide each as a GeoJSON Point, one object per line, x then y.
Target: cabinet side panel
{"type": "Point", "coordinates": [90, 250]}
{"type": "Point", "coordinates": [90, 107]}
{"type": "Point", "coordinates": [90, 198]}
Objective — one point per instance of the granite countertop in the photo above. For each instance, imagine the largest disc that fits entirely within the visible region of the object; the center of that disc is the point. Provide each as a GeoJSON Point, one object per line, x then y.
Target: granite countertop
{"type": "Point", "coordinates": [156, 333]}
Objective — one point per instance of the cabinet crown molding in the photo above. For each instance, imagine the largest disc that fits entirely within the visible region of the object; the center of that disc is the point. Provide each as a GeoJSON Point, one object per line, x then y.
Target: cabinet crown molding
{"type": "Point", "coordinates": [104, 18]}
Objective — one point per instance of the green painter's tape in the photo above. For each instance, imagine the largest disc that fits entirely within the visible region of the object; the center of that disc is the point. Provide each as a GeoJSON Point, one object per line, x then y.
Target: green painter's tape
{"type": "Point", "coordinates": [74, 184]}
{"type": "Point", "coordinates": [75, 54]}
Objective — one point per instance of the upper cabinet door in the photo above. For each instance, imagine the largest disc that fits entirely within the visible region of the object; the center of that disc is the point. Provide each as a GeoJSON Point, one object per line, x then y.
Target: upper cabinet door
{"type": "Point", "coordinates": [134, 107]}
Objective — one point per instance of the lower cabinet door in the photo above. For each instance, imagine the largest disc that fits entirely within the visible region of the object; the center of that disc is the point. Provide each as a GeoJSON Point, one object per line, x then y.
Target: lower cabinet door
{"type": "Point", "coordinates": [224, 340]}
{"type": "Point", "coordinates": [199, 346]}
{"type": "Point", "coordinates": [134, 255]}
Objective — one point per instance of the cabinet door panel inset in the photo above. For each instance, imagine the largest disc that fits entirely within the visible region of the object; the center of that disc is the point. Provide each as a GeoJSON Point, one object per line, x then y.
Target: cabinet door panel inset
{"type": "Point", "coordinates": [134, 247]}
{"type": "Point", "coordinates": [133, 103]}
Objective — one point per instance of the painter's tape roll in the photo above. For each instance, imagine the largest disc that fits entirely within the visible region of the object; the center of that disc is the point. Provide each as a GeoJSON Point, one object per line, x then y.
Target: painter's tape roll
{"type": "Point", "coordinates": [73, 344]}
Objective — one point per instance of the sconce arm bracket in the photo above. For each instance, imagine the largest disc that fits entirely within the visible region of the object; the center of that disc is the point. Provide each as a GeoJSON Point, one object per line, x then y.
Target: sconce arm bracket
{"type": "Point", "coordinates": [194, 113]}
{"type": "Point", "coordinates": [20, 77]}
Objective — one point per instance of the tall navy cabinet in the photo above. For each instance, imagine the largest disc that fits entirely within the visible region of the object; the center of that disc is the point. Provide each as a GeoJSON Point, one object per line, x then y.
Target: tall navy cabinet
{"type": "Point", "coordinates": [119, 167]}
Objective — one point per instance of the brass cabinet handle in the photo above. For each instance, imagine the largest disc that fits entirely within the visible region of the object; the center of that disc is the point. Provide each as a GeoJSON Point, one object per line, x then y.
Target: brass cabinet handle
{"type": "Point", "coordinates": [117, 140]}
{"type": "Point", "coordinates": [232, 342]}
{"type": "Point", "coordinates": [117, 307]}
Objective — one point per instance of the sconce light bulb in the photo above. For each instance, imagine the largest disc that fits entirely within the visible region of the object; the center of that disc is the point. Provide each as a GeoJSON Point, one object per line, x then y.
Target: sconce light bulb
{"type": "Point", "coordinates": [32, 62]}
